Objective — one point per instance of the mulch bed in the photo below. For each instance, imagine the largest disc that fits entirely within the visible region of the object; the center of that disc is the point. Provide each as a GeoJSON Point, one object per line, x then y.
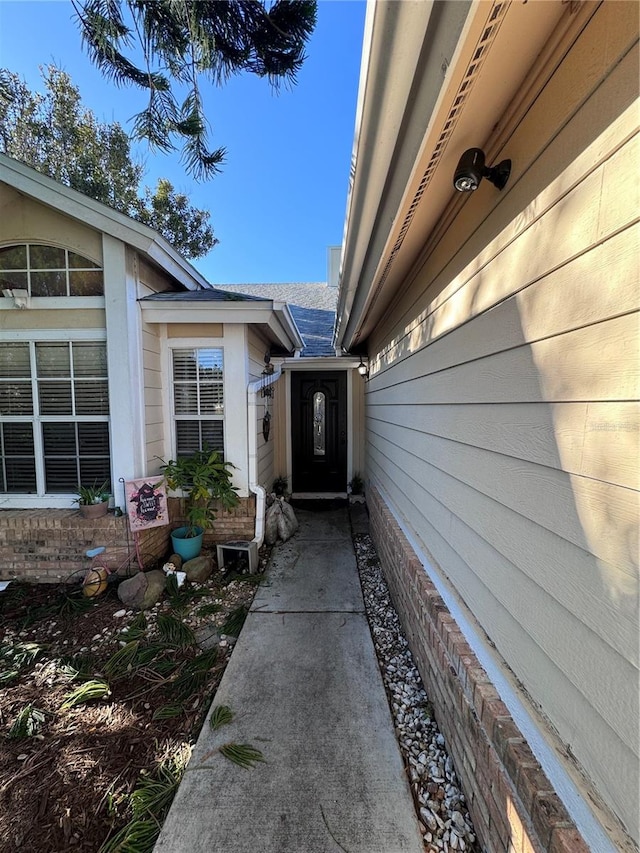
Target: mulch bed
{"type": "Point", "coordinates": [66, 780]}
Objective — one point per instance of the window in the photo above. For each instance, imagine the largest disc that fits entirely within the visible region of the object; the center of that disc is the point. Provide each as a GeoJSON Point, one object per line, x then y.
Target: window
{"type": "Point", "coordinates": [54, 416]}
{"type": "Point", "coordinates": [319, 423]}
{"type": "Point", "coordinates": [198, 400]}
{"type": "Point", "coordinates": [49, 271]}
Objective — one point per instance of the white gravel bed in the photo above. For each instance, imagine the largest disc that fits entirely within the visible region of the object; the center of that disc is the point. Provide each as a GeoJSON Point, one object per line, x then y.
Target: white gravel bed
{"type": "Point", "coordinates": [440, 804]}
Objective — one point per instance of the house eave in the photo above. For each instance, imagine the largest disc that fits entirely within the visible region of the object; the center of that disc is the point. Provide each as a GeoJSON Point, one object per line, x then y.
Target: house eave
{"type": "Point", "coordinates": [101, 217]}
{"type": "Point", "coordinates": [386, 230]}
{"type": "Point", "coordinates": [274, 318]}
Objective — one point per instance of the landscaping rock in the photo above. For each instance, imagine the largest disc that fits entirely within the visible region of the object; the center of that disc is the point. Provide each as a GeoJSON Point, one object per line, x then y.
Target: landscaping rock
{"type": "Point", "coordinates": [143, 590]}
{"type": "Point", "coordinates": [198, 569]}
{"type": "Point", "coordinates": [176, 559]}
{"type": "Point", "coordinates": [207, 636]}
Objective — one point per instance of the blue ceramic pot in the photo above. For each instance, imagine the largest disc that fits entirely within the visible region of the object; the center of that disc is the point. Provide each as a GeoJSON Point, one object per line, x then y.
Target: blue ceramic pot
{"type": "Point", "coordinates": [187, 548]}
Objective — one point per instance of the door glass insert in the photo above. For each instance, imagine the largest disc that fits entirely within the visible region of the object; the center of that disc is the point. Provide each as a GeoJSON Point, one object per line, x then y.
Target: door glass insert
{"type": "Point", "coordinates": [319, 424]}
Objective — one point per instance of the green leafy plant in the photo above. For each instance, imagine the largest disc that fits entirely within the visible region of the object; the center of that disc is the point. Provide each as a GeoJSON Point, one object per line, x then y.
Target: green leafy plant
{"type": "Point", "coordinates": [94, 494]}
{"type": "Point", "coordinates": [149, 802]}
{"type": "Point", "coordinates": [174, 632]}
{"type": "Point", "coordinates": [21, 654]}
{"type": "Point", "coordinates": [180, 596]}
{"type": "Point", "coordinates": [356, 484]}
{"type": "Point", "coordinates": [122, 661]}
{"type": "Point", "coordinates": [137, 629]}
{"type": "Point", "coordinates": [235, 621]}
{"type": "Point", "coordinates": [188, 683]}
{"type": "Point", "coordinates": [204, 479]}
{"type": "Point", "coordinates": [209, 609]}
{"type": "Point", "coordinates": [84, 693]}
{"type": "Point", "coordinates": [242, 754]}
{"type": "Point", "coordinates": [280, 485]}
{"type": "Point", "coordinates": [220, 716]}
{"type": "Point", "coordinates": [204, 661]}
{"type": "Point", "coordinates": [168, 712]}
{"type": "Point", "coordinates": [27, 723]}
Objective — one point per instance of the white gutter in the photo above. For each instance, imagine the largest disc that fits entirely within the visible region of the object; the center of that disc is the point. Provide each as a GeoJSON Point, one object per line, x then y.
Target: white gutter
{"type": "Point", "coordinates": [261, 495]}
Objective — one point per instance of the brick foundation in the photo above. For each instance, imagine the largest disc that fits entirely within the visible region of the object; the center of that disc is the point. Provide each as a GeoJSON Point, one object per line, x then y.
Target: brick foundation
{"type": "Point", "coordinates": [48, 545]}
{"type": "Point", "coordinates": [511, 801]}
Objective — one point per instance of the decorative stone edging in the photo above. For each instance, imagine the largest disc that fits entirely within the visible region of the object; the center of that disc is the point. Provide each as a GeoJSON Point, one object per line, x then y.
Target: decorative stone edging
{"type": "Point", "coordinates": [512, 803]}
{"type": "Point", "coordinates": [440, 803]}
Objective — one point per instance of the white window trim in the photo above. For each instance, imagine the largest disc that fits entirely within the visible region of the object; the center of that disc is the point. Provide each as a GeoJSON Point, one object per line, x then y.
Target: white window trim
{"type": "Point", "coordinates": [192, 343]}
{"type": "Point", "coordinates": [198, 418]}
{"type": "Point", "coordinates": [56, 500]}
{"type": "Point", "coordinates": [55, 303]}
{"type": "Point", "coordinates": [235, 356]}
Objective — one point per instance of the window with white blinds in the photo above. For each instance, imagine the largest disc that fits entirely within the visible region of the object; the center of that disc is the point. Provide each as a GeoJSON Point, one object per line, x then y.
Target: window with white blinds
{"type": "Point", "coordinates": [198, 399]}
{"type": "Point", "coordinates": [54, 416]}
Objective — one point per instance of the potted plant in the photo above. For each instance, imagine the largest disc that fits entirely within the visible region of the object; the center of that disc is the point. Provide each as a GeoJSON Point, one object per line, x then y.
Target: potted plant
{"type": "Point", "coordinates": [280, 485]}
{"type": "Point", "coordinates": [204, 481]}
{"type": "Point", "coordinates": [93, 501]}
{"type": "Point", "coordinates": [356, 489]}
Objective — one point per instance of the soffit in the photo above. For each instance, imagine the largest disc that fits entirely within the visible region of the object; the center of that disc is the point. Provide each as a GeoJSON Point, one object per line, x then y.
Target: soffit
{"type": "Point", "coordinates": [497, 48]}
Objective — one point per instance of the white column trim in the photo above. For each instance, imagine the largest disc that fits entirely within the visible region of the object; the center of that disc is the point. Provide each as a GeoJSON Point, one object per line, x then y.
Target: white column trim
{"type": "Point", "coordinates": [124, 363]}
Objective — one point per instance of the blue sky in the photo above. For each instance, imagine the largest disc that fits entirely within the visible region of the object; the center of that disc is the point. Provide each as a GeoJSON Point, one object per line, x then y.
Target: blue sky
{"type": "Point", "coordinates": [281, 198]}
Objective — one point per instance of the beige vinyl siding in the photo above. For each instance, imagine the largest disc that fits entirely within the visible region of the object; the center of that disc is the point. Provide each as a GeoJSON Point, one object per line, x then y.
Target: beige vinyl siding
{"type": "Point", "coordinates": [195, 330]}
{"type": "Point", "coordinates": [265, 449]}
{"type": "Point", "coordinates": [62, 318]}
{"type": "Point", "coordinates": [153, 397]}
{"type": "Point", "coordinates": [25, 220]}
{"type": "Point", "coordinates": [502, 407]}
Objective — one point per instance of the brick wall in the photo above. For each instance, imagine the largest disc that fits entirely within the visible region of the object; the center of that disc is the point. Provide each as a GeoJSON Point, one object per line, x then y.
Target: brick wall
{"type": "Point", "coordinates": [512, 803]}
{"type": "Point", "coordinates": [48, 545]}
{"type": "Point", "coordinates": [237, 523]}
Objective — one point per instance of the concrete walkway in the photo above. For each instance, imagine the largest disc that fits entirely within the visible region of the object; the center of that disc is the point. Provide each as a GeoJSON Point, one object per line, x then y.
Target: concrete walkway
{"type": "Point", "coordinates": [305, 688]}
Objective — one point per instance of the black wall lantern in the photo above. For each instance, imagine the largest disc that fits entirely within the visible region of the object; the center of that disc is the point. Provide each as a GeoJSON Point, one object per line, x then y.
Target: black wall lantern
{"type": "Point", "coordinates": [471, 169]}
{"type": "Point", "coordinates": [267, 395]}
{"type": "Point", "coordinates": [362, 369]}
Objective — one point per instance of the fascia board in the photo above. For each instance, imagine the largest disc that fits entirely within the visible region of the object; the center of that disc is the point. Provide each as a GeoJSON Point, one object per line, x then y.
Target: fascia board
{"type": "Point", "coordinates": [289, 326]}
{"type": "Point", "coordinates": [188, 312]}
{"type": "Point", "coordinates": [275, 316]}
{"type": "Point", "coordinates": [319, 362]}
{"type": "Point", "coordinates": [101, 217]}
{"type": "Point", "coordinates": [392, 249]}
{"type": "Point", "coordinates": [394, 35]}
{"type": "Point", "coordinates": [448, 35]}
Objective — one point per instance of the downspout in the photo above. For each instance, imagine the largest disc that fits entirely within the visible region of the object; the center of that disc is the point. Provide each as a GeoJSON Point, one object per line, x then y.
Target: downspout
{"type": "Point", "coordinates": [261, 495]}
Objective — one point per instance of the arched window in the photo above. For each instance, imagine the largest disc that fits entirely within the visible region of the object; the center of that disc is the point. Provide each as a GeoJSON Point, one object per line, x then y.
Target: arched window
{"type": "Point", "coordinates": [49, 271]}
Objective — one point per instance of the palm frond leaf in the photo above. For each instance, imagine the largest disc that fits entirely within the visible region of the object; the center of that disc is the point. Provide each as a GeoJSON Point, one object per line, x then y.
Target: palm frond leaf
{"type": "Point", "coordinates": [95, 689]}
{"type": "Point", "coordinates": [242, 754]}
{"type": "Point", "coordinates": [27, 723]}
{"type": "Point", "coordinates": [221, 715]}
{"type": "Point", "coordinates": [174, 632]}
